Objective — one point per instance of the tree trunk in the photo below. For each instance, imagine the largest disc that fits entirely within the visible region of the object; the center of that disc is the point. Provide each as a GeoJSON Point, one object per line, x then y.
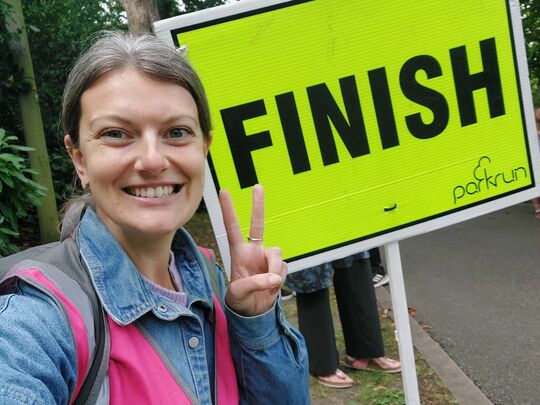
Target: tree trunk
{"type": "Point", "coordinates": [140, 15]}
{"type": "Point", "coordinates": [33, 127]}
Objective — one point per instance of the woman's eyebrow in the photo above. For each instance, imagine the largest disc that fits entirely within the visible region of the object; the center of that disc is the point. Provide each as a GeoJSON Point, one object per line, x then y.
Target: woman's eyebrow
{"type": "Point", "coordinates": [115, 118]}
{"type": "Point", "coordinates": [108, 119]}
{"type": "Point", "coordinates": [180, 117]}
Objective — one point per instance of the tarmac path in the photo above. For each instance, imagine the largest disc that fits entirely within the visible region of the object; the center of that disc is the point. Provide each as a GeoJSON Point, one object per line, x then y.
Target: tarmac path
{"type": "Point", "coordinates": [477, 285]}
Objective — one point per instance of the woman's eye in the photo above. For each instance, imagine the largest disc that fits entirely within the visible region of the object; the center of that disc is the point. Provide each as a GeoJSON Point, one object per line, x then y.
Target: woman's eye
{"type": "Point", "coordinates": [114, 133]}
{"type": "Point", "coordinates": [177, 133]}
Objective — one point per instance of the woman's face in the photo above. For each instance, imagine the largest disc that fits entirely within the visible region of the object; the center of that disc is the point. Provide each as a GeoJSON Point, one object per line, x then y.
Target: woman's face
{"type": "Point", "coordinates": [142, 152]}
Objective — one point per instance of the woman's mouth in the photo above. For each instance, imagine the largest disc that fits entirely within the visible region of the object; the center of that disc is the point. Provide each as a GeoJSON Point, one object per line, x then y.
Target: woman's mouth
{"type": "Point", "coordinates": [153, 192]}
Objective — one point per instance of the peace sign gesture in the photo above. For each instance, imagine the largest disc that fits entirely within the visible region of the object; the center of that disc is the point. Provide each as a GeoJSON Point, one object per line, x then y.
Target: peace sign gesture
{"type": "Point", "coordinates": [257, 273]}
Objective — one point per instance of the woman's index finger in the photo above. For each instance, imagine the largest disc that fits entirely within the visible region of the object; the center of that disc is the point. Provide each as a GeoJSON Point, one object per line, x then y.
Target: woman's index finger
{"type": "Point", "coordinates": [230, 220]}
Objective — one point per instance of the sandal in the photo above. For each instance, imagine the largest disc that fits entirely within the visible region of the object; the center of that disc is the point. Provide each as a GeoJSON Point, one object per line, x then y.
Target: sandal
{"type": "Point", "coordinates": [337, 380]}
{"type": "Point", "coordinates": [378, 364]}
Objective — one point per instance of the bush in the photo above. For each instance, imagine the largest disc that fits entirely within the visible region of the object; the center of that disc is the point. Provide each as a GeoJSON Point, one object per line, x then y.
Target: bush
{"type": "Point", "coordinates": [17, 191]}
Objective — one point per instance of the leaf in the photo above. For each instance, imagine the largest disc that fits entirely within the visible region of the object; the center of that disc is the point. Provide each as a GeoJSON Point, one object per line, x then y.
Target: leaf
{"type": "Point", "coordinates": [8, 231]}
{"type": "Point", "coordinates": [8, 157]}
{"type": "Point", "coordinates": [10, 138]}
{"type": "Point", "coordinates": [8, 181]}
{"type": "Point", "coordinates": [23, 148]}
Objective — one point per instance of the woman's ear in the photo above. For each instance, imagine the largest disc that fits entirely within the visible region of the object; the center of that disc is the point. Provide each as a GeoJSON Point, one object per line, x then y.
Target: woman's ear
{"type": "Point", "coordinates": [77, 158]}
{"type": "Point", "coordinates": [208, 143]}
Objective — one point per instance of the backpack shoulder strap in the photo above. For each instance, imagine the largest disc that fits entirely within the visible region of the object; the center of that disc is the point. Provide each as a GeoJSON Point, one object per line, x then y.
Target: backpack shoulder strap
{"type": "Point", "coordinates": [70, 262]}
{"type": "Point", "coordinates": [65, 257]}
{"type": "Point", "coordinates": [30, 253]}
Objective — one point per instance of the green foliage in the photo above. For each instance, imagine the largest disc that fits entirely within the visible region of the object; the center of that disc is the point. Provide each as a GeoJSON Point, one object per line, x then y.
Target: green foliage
{"type": "Point", "coordinates": [194, 5]}
{"type": "Point", "coordinates": [12, 82]}
{"type": "Point", "coordinates": [171, 8]}
{"type": "Point", "coordinates": [17, 190]}
{"type": "Point", "coordinates": [530, 10]}
{"type": "Point", "coordinates": [62, 30]}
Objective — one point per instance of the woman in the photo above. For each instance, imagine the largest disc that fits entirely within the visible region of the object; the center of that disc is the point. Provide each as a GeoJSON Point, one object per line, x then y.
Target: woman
{"type": "Point", "coordinates": [137, 129]}
{"type": "Point", "coordinates": [357, 307]}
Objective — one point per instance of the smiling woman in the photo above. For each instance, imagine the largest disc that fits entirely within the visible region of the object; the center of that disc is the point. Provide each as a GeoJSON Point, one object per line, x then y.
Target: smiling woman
{"type": "Point", "coordinates": [137, 128]}
{"type": "Point", "coordinates": [126, 143]}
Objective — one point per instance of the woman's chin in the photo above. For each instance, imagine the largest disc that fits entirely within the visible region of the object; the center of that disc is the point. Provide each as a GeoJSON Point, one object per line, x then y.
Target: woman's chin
{"type": "Point", "coordinates": [157, 228]}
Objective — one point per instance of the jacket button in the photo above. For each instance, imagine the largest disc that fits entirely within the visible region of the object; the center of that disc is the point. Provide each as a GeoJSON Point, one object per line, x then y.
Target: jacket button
{"type": "Point", "coordinates": [193, 342]}
{"type": "Point", "coordinates": [162, 308]}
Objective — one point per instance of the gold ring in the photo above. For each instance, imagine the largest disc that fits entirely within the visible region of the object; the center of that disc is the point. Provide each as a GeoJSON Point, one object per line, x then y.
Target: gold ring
{"type": "Point", "coordinates": [252, 239]}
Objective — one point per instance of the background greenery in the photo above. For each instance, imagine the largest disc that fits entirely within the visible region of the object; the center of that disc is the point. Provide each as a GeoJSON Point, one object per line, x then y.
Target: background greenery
{"type": "Point", "coordinates": [531, 28]}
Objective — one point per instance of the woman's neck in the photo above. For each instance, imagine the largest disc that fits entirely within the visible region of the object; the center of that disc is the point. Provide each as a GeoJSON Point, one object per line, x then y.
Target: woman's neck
{"type": "Point", "coordinates": [150, 256]}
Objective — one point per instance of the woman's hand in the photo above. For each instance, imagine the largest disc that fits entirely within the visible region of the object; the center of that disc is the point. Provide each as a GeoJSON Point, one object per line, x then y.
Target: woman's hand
{"type": "Point", "coordinates": [257, 273]}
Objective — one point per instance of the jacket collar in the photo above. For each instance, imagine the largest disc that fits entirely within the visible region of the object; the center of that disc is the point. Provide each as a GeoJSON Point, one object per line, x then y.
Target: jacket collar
{"type": "Point", "coordinates": [123, 292]}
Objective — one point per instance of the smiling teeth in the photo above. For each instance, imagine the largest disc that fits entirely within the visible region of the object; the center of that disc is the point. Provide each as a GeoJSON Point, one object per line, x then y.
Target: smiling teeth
{"type": "Point", "coordinates": [151, 192]}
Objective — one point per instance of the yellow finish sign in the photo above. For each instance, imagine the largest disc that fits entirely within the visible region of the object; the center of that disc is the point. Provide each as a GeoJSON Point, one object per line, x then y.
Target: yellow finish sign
{"type": "Point", "coordinates": [360, 117]}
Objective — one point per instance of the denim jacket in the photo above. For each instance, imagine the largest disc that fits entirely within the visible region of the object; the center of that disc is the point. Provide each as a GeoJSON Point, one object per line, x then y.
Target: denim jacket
{"type": "Point", "coordinates": [37, 352]}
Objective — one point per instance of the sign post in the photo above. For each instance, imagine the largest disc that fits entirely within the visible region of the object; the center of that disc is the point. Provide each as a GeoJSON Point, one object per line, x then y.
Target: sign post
{"type": "Point", "coordinates": [366, 122]}
{"type": "Point", "coordinates": [401, 317]}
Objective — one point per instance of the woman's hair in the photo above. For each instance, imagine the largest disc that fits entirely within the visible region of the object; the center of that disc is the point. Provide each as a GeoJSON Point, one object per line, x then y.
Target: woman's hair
{"type": "Point", "coordinates": [146, 54]}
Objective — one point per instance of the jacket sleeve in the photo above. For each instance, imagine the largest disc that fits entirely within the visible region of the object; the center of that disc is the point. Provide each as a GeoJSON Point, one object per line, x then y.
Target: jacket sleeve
{"type": "Point", "coordinates": [37, 351]}
{"type": "Point", "coordinates": [270, 357]}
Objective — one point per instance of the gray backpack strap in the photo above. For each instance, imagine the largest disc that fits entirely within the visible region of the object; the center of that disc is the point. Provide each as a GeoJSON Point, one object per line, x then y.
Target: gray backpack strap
{"type": "Point", "coordinates": [93, 384]}
{"type": "Point", "coordinates": [65, 257]}
{"type": "Point", "coordinates": [72, 217]}
{"type": "Point", "coordinates": [31, 253]}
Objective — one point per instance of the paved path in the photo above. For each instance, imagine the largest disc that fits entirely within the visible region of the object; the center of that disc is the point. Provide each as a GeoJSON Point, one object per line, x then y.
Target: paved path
{"type": "Point", "coordinates": [477, 284]}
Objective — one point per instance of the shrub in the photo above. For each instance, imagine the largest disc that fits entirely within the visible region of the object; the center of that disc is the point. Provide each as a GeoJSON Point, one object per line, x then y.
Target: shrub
{"type": "Point", "coordinates": [17, 191]}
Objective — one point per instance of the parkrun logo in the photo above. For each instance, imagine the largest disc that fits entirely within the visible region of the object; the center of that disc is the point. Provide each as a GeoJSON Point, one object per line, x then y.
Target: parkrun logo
{"type": "Point", "coordinates": [486, 180]}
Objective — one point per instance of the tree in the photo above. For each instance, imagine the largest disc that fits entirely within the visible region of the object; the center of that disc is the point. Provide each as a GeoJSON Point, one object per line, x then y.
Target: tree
{"type": "Point", "coordinates": [33, 126]}
{"type": "Point", "coordinates": [140, 15]}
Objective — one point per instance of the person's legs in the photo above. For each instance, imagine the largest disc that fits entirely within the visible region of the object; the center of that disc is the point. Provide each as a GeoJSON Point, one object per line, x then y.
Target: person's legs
{"type": "Point", "coordinates": [359, 316]}
{"type": "Point", "coordinates": [357, 305]}
{"type": "Point", "coordinates": [375, 258]}
{"type": "Point", "coordinates": [315, 323]}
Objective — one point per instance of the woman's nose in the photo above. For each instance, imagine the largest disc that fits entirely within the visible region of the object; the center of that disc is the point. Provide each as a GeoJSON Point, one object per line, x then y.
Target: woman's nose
{"type": "Point", "coordinates": [151, 156]}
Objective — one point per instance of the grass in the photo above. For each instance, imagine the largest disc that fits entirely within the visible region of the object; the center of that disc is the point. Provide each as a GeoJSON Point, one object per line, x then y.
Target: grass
{"type": "Point", "coordinates": [371, 388]}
